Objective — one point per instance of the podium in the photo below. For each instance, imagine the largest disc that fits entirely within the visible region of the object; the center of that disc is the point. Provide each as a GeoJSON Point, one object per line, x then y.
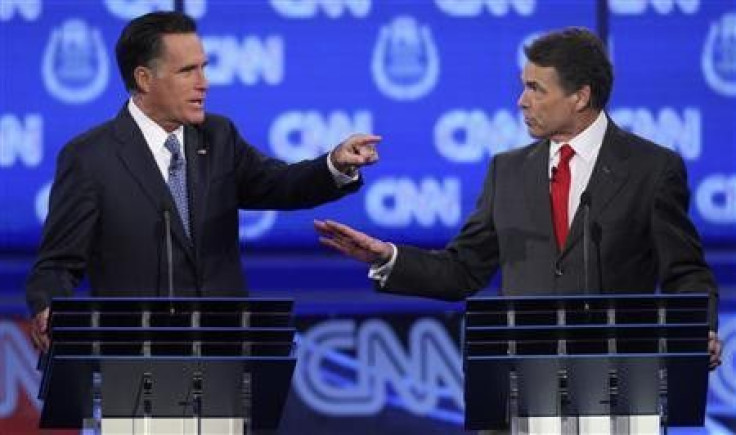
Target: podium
{"type": "Point", "coordinates": [132, 365]}
{"type": "Point", "coordinates": [610, 356]}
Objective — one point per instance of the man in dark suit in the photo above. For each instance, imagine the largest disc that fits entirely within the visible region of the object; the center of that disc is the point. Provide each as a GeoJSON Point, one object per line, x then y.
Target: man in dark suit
{"type": "Point", "coordinates": [148, 202]}
{"type": "Point", "coordinates": [529, 218]}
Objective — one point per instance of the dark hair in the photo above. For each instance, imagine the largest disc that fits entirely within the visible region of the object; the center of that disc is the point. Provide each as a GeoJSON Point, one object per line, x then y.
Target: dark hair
{"type": "Point", "coordinates": [580, 59]}
{"type": "Point", "coordinates": [140, 42]}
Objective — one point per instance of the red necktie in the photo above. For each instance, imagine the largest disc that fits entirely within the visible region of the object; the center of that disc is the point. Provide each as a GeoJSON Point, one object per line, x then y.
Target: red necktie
{"type": "Point", "coordinates": [560, 193]}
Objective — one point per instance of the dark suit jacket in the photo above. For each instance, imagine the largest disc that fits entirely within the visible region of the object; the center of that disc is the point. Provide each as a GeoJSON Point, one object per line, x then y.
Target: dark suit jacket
{"type": "Point", "coordinates": [642, 236]}
{"type": "Point", "coordinates": [108, 200]}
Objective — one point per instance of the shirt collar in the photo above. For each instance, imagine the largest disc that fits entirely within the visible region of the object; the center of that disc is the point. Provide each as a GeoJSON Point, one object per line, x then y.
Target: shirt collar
{"type": "Point", "coordinates": [153, 133]}
{"type": "Point", "coordinates": [588, 142]}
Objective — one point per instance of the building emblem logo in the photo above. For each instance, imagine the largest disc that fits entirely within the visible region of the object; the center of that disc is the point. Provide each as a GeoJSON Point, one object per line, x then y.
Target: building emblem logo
{"type": "Point", "coordinates": [75, 65]}
{"type": "Point", "coordinates": [718, 60]}
{"type": "Point", "coordinates": [405, 64]}
{"type": "Point", "coordinates": [254, 224]}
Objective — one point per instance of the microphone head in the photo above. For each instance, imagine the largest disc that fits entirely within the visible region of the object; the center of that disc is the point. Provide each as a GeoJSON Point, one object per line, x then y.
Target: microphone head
{"type": "Point", "coordinates": [585, 199]}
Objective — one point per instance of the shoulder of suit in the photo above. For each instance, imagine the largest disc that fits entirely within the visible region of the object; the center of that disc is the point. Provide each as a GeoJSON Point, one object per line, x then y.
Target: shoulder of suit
{"type": "Point", "coordinates": [638, 146]}
{"type": "Point", "coordinates": [523, 152]}
{"type": "Point", "coordinates": [214, 121]}
{"type": "Point", "coordinates": [92, 140]}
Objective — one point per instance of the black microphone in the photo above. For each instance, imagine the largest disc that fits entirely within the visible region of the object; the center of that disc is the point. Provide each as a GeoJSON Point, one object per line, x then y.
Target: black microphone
{"type": "Point", "coordinates": [169, 255]}
{"type": "Point", "coordinates": [204, 142]}
{"type": "Point", "coordinates": [585, 203]}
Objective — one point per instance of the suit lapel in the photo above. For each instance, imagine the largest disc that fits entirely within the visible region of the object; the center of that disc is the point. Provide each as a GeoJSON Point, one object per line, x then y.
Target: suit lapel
{"type": "Point", "coordinates": [140, 163]}
{"type": "Point", "coordinates": [197, 158]}
{"type": "Point", "coordinates": [609, 176]}
{"type": "Point", "coordinates": [535, 172]}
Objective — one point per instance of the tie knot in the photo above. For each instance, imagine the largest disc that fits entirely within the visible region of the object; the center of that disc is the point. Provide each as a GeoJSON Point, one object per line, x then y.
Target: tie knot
{"type": "Point", "coordinates": [566, 153]}
{"type": "Point", "coordinates": [172, 144]}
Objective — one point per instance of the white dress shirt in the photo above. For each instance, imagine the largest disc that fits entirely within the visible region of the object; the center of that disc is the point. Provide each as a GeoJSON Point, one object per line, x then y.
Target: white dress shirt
{"type": "Point", "coordinates": [155, 137]}
{"type": "Point", "coordinates": [587, 145]}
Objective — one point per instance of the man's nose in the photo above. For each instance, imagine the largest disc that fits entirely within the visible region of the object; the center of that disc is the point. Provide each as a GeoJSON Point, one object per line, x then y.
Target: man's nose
{"type": "Point", "coordinates": [202, 82]}
{"type": "Point", "coordinates": [522, 101]}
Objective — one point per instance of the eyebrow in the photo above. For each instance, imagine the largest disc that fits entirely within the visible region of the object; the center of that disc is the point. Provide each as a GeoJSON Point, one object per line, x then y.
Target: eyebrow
{"type": "Point", "coordinates": [534, 84]}
{"type": "Point", "coordinates": [192, 66]}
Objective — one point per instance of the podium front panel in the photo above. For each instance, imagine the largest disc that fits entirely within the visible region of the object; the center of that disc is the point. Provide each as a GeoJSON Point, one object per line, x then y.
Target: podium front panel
{"type": "Point", "coordinates": [154, 356]}
{"type": "Point", "coordinates": [585, 355]}
{"type": "Point", "coordinates": [70, 388]}
{"type": "Point", "coordinates": [588, 392]}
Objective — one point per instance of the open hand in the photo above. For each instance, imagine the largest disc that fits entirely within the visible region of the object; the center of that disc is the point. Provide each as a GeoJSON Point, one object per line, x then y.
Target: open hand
{"type": "Point", "coordinates": [39, 330]}
{"type": "Point", "coordinates": [715, 348]}
{"type": "Point", "coordinates": [352, 243]}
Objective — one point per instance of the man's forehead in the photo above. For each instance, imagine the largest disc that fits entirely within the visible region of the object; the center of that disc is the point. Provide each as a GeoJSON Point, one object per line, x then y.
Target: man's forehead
{"type": "Point", "coordinates": [178, 44]}
{"type": "Point", "coordinates": [179, 40]}
{"type": "Point", "coordinates": [541, 74]}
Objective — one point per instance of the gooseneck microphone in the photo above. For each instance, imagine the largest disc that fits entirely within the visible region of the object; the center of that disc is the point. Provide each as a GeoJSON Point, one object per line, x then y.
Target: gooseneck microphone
{"type": "Point", "coordinates": [169, 256]}
{"type": "Point", "coordinates": [585, 203]}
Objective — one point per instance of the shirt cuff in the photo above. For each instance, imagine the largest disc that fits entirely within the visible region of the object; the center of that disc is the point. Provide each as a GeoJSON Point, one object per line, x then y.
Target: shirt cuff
{"type": "Point", "coordinates": [340, 178]}
{"type": "Point", "coordinates": [381, 272]}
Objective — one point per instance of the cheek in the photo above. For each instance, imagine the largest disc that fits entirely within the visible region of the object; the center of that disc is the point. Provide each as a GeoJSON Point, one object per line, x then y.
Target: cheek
{"type": "Point", "coordinates": [540, 112]}
{"type": "Point", "coordinates": [179, 101]}
{"type": "Point", "coordinates": [167, 95]}
{"type": "Point", "coordinates": [551, 111]}
{"type": "Point", "coordinates": [174, 94]}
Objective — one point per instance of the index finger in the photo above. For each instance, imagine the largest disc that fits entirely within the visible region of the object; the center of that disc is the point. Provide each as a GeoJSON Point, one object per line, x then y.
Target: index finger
{"type": "Point", "coordinates": [365, 139]}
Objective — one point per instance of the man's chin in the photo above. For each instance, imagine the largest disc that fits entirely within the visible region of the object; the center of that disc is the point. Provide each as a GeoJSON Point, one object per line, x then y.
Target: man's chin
{"type": "Point", "coordinates": [534, 133]}
{"type": "Point", "coordinates": [196, 119]}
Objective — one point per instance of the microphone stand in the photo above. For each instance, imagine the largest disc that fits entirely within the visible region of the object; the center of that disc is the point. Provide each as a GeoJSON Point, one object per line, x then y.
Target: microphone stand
{"type": "Point", "coordinates": [169, 259]}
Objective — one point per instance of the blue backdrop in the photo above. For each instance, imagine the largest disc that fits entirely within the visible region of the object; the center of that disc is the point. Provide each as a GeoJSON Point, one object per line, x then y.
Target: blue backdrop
{"type": "Point", "coordinates": [439, 80]}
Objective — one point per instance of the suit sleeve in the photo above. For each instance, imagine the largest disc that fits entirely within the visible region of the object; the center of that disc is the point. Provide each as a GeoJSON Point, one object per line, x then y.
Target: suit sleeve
{"type": "Point", "coordinates": [681, 264]}
{"type": "Point", "coordinates": [268, 183]}
{"type": "Point", "coordinates": [465, 266]}
{"type": "Point", "coordinates": [66, 235]}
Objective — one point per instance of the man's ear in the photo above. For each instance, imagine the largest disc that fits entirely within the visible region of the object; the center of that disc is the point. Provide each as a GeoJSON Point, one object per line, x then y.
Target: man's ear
{"type": "Point", "coordinates": [582, 98]}
{"type": "Point", "coordinates": [143, 76]}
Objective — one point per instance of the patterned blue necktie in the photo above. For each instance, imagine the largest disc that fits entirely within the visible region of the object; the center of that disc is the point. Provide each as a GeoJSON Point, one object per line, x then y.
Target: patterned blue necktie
{"type": "Point", "coordinates": [178, 181]}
